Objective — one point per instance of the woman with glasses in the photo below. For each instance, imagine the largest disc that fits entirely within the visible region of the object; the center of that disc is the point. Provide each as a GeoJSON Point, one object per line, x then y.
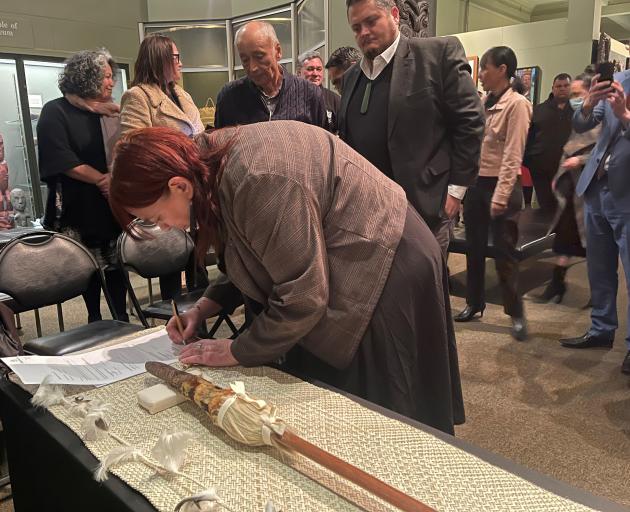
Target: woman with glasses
{"type": "Point", "coordinates": [155, 99]}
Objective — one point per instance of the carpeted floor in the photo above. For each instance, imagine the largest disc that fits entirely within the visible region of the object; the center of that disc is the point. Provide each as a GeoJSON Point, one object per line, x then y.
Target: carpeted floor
{"type": "Point", "coordinates": [565, 413]}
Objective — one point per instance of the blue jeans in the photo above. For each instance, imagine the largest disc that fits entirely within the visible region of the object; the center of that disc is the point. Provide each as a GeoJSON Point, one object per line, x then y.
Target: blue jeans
{"type": "Point", "coordinates": [607, 238]}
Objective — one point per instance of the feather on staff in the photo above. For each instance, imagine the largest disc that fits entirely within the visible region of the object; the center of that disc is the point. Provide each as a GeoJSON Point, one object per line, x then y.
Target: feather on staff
{"type": "Point", "coordinates": [254, 422]}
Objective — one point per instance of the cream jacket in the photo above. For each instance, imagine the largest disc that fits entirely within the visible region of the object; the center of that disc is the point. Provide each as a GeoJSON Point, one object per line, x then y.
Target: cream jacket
{"type": "Point", "coordinates": [507, 125]}
{"type": "Point", "coordinates": [147, 105]}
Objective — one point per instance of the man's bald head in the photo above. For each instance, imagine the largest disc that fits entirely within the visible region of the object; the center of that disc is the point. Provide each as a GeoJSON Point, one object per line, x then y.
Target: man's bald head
{"type": "Point", "coordinates": [260, 53]}
{"type": "Point", "coordinates": [256, 30]}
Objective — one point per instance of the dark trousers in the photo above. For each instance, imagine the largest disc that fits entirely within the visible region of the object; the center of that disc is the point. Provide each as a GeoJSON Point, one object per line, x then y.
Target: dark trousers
{"type": "Point", "coordinates": [542, 185]}
{"type": "Point", "coordinates": [117, 290]}
{"type": "Point", "coordinates": [505, 235]}
{"type": "Point", "coordinates": [607, 239]}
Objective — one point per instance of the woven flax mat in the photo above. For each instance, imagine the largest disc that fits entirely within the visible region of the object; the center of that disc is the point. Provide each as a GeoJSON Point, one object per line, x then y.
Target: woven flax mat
{"type": "Point", "coordinates": [440, 475]}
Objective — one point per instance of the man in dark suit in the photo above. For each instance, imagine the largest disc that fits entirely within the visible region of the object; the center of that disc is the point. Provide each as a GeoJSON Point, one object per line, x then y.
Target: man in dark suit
{"type": "Point", "coordinates": [605, 184]}
{"type": "Point", "coordinates": [411, 108]}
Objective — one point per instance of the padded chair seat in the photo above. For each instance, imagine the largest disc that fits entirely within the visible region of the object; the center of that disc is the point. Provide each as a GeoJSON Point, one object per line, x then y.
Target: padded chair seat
{"type": "Point", "coordinates": [163, 309]}
{"type": "Point", "coordinates": [80, 338]}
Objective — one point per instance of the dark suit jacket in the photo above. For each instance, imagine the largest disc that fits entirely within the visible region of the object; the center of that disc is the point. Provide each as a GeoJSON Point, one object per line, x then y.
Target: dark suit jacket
{"type": "Point", "coordinates": [435, 120]}
{"type": "Point", "coordinates": [612, 138]}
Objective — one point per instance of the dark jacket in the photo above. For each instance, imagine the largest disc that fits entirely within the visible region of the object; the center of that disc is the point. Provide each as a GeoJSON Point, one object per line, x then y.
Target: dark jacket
{"type": "Point", "coordinates": [548, 133]}
{"type": "Point", "coordinates": [239, 102]}
{"type": "Point", "coordinates": [331, 101]}
{"type": "Point", "coordinates": [435, 120]}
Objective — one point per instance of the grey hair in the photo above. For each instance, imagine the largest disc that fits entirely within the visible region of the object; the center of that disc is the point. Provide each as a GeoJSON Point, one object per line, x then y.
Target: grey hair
{"type": "Point", "coordinates": [84, 71]}
{"type": "Point", "coordinates": [264, 28]}
{"type": "Point", "coordinates": [383, 4]}
{"type": "Point", "coordinates": [302, 58]}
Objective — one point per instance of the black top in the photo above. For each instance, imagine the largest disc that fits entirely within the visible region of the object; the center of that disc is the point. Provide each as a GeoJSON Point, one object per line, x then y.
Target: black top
{"type": "Point", "coordinates": [68, 137]}
{"type": "Point", "coordinates": [367, 133]}
{"type": "Point", "coordinates": [240, 102]}
{"type": "Point", "coordinates": [548, 133]}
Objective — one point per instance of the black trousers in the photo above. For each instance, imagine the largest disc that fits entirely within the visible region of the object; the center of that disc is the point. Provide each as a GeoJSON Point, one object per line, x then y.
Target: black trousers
{"type": "Point", "coordinates": [504, 231]}
{"type": "Point", "coordinates": [542, 180]}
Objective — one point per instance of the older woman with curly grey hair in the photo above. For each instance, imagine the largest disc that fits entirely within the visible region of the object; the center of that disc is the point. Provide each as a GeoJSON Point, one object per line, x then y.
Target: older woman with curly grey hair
{"type": "Point", "coordinates": [75, 136]}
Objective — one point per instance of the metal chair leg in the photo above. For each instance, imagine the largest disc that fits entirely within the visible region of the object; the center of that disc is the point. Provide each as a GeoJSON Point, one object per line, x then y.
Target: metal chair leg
{"type": "Point", "coordinates": [150, 286]}
{"type": "Point", "coordinates": [38, 323]}
{"type": "Point", "coordinates": [60, 318]}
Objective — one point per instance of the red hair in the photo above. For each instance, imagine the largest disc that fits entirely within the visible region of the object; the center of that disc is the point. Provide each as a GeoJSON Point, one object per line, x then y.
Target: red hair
{"type": "Point", "coordinates": [146, 159]}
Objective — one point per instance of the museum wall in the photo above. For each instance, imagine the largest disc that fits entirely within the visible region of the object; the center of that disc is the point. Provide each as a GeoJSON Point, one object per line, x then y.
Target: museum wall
{"type": "Point", "coordinates": [543, 43]}
{"type": "Point", "coordinates": [58, 28]}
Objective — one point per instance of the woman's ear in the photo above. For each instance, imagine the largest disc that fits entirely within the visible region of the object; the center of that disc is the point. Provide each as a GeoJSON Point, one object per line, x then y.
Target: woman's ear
{"type": "Point", "coordinates": [180, 185]}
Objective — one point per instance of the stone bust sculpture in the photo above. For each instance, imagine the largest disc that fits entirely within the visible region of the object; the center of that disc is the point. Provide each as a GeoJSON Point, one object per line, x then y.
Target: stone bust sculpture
{"type": "Point", "coordinates": [414, 17]}
{"type": "Point", "coordinates": [21, 218]}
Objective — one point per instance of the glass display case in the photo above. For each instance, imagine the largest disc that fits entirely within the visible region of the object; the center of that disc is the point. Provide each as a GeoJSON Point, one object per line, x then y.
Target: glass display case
{"type": "Point", "coordinates": [26, 84]}
{"type": "Point", "coordinates": [14, 169]}
{"type": "Point", "coordinates": [311, 26]}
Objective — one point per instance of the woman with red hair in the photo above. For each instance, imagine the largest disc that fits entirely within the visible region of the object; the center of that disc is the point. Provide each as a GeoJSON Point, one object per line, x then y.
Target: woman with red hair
{"type": "Point", "coordinates": [347, 282]}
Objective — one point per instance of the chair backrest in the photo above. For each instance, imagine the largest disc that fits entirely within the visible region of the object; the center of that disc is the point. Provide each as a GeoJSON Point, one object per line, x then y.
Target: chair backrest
{"type": "Point", "coordinates": [45, 268]}
{"type": "Point", "coordinates": [161, 253]}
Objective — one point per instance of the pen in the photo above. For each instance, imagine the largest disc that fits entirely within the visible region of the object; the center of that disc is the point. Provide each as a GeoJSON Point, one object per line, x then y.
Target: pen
{"type": "Point", "coordinates": [178, 320]}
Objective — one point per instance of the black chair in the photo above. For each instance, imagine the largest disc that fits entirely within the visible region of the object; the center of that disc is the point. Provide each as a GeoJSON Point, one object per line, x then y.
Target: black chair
{"type": "Point", "coordinates": [156, 254]}
{"type": "Point", "coordinates": [48, 268]}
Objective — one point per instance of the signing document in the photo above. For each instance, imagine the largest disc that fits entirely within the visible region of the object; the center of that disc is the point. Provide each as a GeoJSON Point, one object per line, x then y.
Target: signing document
{"type": "Point", "coordinates": [97, 367]}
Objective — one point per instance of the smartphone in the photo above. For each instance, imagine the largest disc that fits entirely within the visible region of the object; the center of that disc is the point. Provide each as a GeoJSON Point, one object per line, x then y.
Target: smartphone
{"type": "Point", "coordinates": [606, 70]}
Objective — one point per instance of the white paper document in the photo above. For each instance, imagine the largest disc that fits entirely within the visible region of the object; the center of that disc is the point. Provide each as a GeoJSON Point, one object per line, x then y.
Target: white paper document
{"type": "Point", "coordinates": [98, 367]}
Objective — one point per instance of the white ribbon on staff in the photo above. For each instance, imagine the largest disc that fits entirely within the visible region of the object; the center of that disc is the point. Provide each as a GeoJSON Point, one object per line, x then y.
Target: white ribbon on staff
{"type": "Point", "coordinates": [271, 424]}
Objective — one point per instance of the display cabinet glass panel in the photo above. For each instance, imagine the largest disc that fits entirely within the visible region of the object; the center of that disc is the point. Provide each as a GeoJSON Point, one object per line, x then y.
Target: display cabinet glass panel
{"type": "Point", "coordinates": [200, 45]}
{"type": "Point", "coordinates": [281, 22]}
{"type": "Point", "coordinates": [310, 21]}
{"type": "Point", "coordinates": [14, 172]}
{"type": "Point", "coordinates": [204, 86]}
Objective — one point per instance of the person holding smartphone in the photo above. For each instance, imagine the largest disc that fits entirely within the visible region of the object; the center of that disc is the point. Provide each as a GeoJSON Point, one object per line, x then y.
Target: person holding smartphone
{"type": "Point", "coordinates": [605, 185]}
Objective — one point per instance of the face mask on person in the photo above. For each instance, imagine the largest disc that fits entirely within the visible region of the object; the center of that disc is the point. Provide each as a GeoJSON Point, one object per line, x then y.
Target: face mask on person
{"type": "Point", "coordinates": [576, 103]}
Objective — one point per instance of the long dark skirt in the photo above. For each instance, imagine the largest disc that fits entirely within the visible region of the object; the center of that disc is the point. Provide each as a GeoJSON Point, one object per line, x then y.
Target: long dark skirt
{"type": "Point", "coordinates": [407, 359]}
{"type": "Point", "coordinates": [567, 241]}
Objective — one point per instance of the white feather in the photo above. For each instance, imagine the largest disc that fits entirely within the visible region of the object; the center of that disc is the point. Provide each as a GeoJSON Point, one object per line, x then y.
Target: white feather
{"type": "Point", "coordinates": [48, 395]}
{"type": "Point", "coordinates": [170, 449]}
{"type": "Point", "coordinates": [119, 455]}
{"type": "Point", "coordinates": [96, 420]}
{"type": "Point", "coordinates": [207, 500]}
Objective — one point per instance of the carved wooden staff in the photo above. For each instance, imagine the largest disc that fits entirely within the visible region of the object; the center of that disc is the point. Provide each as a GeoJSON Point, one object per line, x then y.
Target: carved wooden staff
{"type": "Point", "coordinates": [254, 422]}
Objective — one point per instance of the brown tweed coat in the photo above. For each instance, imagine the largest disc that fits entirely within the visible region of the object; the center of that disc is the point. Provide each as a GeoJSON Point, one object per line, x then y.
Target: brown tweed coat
{"type": "Point", "coordinates": [312, 228]}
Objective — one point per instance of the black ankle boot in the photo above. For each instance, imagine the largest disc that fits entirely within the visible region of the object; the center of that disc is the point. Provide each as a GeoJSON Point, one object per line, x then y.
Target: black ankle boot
{"type": "Point", "coordinates": [556, 288]}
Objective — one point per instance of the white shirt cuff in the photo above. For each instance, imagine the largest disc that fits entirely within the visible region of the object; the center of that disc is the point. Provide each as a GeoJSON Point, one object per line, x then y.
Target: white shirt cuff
{"type": "Point", "coordinates": [457, 191]}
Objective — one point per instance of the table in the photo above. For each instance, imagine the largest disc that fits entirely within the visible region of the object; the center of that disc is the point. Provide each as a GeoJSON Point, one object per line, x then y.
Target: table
{"type": "Point", "coordinates": [40, 448]}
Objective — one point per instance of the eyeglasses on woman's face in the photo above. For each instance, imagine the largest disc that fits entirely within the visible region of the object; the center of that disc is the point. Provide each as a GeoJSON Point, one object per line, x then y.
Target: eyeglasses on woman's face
{"type": "Point", "coordinates": [176, 57]}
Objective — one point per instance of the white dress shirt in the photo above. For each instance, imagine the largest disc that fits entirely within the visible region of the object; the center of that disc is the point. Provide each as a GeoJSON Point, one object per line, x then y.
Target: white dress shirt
{"type": "Point", "coordinates": [379, 63]}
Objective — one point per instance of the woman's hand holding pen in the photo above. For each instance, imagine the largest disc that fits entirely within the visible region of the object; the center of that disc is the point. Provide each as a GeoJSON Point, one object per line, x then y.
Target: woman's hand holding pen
{"type": "Point", "coordinates": [190, 320]}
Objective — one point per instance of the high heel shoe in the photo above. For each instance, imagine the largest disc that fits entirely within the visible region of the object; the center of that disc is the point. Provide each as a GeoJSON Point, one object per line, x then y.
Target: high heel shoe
{"type": "Point", "coordinates": [555, 290]}
{"type": "Point", "coordinates": [468, 313]}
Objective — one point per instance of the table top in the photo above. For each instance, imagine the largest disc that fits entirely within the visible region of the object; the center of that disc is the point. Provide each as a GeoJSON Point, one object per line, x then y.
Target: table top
{"type": "Point", "coordinates": [13, 397]}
